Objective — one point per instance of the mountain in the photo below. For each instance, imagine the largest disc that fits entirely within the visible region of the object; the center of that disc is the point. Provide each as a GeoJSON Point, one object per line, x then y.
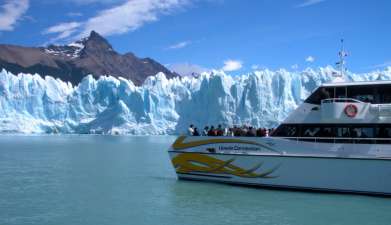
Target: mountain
{"type": "Point", "coordinates": [109, 105]}
{"type": "Point", "coordinates": [92, 55]}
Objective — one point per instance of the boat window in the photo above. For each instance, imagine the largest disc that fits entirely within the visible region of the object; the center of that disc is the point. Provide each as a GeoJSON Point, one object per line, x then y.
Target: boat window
{"type": "Point", "coordinates": [383, 132]}
{"type": "Point", "coordinates": [326, 132]}
{"type": "Point", "coordinates": [337, 133]}
{"type": "Point", "coordinates": [362, 93]}
{"type": "Point", "coordinates": [340, 92]}
{"type": "Point", "coordinates": [320, 94]}
{"type": "Point", "coordinates": [342, 132]}
{"type": "Point", "coordinates": [384, 92]}
{"type": "Point", "coordinates": [375, 94]}
{"type": "Point", "coordinates": [362, 132]}
{"type": "Point", "coordinates": [387, 97]}
{"type": "Point", "coordinates": [286, 131]}
{"type": "Point", "coordinates": [310, 131]}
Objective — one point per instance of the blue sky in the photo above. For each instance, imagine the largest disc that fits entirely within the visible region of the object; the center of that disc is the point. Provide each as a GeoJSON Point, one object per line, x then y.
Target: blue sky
{"type": "Point", "coordinates": [235, 35]}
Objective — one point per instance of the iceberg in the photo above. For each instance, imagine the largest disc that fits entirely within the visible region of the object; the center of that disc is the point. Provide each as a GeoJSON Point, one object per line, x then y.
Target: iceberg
{"type": "Point", "coordinates": [262, 98]}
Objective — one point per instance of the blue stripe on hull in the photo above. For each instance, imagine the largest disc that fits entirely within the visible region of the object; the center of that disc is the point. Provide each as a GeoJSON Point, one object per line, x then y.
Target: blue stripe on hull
{"type": "Point", "coordinates": [271, 186]}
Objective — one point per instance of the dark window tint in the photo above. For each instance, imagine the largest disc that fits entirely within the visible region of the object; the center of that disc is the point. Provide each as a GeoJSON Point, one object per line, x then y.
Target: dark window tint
{"type": "Point", "coordinates": [310, 131]}
{"type": "Point", "coordinates": [383, 132]}
{"type": "Point", "coordinates": [384, 94]}
{"type": "Point", "coordinates": [342, 132]}
{"type": "Point", "coordinates": [375, 94]}
{"type": "Point", "coordinates": [327, 131]}
{"type": "Point", "coordinates": [362, 93]}
{"type": "Point", "coordinates": [337, 133]}
{"type": "Point", "coordinates": [340, 92]}
{"type": "Point", "coordinates": [319, 95]}
{"type": "Point", "coordinates": [286, 131]}
{"type": "Point", "coordinates": [362, 132]}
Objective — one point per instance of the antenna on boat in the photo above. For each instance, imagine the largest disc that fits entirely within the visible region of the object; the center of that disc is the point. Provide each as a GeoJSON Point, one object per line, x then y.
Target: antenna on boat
{"type": "Point", "coordinates": [341, 64]}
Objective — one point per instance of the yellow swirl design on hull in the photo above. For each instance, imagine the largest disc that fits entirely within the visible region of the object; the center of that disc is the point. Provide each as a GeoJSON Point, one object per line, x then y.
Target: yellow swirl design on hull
{"type": "Point", "coordinates": [179, 143]}
{"type": "Point", "coordinates": [195, 162]}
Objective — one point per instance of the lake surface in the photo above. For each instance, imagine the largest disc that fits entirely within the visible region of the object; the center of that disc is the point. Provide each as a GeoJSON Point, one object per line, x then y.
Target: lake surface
{"type": "Point", "coordinates": [118, 180]}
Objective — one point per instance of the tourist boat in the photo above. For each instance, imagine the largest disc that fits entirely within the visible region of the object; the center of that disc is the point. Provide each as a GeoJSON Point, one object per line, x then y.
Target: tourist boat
{"type": "Point", "coordinates": [338, 140]}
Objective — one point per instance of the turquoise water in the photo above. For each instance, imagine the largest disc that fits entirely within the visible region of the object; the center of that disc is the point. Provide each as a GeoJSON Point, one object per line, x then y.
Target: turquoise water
{"type": "Point", "coordinates": [99, 180]}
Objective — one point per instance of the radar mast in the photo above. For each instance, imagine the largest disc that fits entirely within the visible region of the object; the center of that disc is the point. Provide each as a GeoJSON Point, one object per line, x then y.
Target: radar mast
{"type": "Point", "coordinates": [341, 64]}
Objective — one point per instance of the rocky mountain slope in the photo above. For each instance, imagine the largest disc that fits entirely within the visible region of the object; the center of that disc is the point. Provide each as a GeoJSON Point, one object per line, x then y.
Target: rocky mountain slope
{"type": "Point", "coordinates": [91, 55]}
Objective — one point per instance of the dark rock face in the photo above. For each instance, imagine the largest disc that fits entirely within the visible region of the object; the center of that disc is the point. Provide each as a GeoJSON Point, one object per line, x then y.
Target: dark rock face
{"type": "Point", "coordinates": [92, 55]}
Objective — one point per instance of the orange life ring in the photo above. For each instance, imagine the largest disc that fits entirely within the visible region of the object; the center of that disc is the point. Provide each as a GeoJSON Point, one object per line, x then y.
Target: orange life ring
{"type": "Point", "coordinates": [351, 110]}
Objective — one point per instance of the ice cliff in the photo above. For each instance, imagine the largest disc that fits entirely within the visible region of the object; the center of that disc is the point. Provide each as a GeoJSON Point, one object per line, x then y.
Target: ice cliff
{"type": "Point", "coordinates": [31, 104]}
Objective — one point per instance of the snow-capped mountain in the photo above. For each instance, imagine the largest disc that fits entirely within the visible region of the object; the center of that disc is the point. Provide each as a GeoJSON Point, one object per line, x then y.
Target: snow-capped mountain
{"type": "Point", "coordinates": [71, 50]}
{"type": "Point", "coordinates": [32, 104]}
{"type": "Point", "coordinates": [72, 62]}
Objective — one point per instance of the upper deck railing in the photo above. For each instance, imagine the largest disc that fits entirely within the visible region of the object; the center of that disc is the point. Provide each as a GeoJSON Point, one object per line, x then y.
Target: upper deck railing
{"type": "Point", "coordinates": [340, 140]}
{"type": "Point", "coordinates": [384, 110]}
{"type": "Point", "coordinates": [339, 100]}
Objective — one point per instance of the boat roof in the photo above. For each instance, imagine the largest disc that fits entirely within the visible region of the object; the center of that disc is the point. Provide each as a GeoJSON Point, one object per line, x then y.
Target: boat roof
{"type": "Point", "coordinates": [356, 83]}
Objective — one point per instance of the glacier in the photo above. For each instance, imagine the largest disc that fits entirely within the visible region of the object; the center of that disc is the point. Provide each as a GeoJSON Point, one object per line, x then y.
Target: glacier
{"type": "Point", "coordinates": [31, 104]}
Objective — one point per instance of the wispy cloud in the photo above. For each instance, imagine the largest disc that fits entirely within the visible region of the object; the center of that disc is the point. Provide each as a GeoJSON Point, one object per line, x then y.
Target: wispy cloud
{"type": "Point", "coordinates": [255, 67]}
{"type": "Point", "coordinates": [310, 59]}
{"type": "Point", "coordinates": [179, 45]}
{"type": "Point", "coordinates": [309, 3]}
{"type": "Point", "coordinates": [74, 14]}
{"type": "Point", "coordinates": [62, 30]}
{"type": "Point", "coordinates": [188, 69]}
{"type": "Point", "coordinates": [295, 67]}
{"type": "Point", "coordinates": [11, 12]}
{"type": "Point", "coordinates": [232, 65]}
{"type": "Point", "coordinates": [127, 17]}
{"type": "Point", "coordinates": [382, 65]}
{"type": "Point", "coordinates": [86, 2]}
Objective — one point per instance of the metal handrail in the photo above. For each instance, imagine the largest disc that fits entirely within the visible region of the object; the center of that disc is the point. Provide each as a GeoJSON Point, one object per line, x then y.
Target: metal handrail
{"type": "Point", "coordinates": [337, 138]}
{"type": "Point", "coordinates": [352, 140]}
{"type": "Point", "coordinates": [332, 100]}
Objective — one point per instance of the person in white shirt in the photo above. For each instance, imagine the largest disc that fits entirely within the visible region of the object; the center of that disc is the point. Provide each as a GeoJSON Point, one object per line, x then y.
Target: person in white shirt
{"type": "Point", "coordinates": [190, 131]}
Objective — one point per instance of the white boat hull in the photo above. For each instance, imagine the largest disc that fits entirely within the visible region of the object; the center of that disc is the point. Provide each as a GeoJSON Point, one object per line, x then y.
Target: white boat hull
{"type": "Point", "coordinates": [320, 173]}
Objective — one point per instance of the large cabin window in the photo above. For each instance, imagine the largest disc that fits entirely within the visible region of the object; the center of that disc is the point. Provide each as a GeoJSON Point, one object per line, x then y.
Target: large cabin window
{"type": "Point", "coordinates": [387, 97]}
{"type": "Point", "coordinates": [286, 130]}
{"type": "Point", "coordinates": [342, 132]}
{"type": "Point", "coordinates": [375, 94]}
{"type": "Point", "coordinates": [310, 131]}
{"type": "Point", "coordinates": [384, 94]}
{"type": "Point", "coordinates": [363, 93]}
{"type": "Point", "coordinates": [340, 92]}
{"type": "Point", "coordinates": [320, 94]}
{"type": "Point", "coordinates": [362, 132]}
{"type": "Point", "coordinates": [383, 132]}
{"type": "Point", "coordinates": [337, 133]}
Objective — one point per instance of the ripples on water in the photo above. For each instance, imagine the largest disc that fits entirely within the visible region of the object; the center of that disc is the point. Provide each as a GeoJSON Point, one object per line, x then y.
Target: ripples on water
{"type": "Point", "coordinates": [91, 180]}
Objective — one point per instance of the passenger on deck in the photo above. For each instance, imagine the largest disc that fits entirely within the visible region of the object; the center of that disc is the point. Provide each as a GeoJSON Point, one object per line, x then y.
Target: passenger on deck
{"type": "Point", "coordinates": [243, 131]}
{"type": "Point", "coordinates": [261, 132]}
{"type": "Point", "coordinates": [230, 132]}
{"type": "Point", "coordinates": [220, 130]}
{"type": "Point", "coordinates": [212, 131]}
{"type": "Point", "coordinates": [205, 131]}
{"type": "Point", "coordinates": [237, 131]}
{"type": "Point", "coordinates": [250, 132]}
{"type": "Point", "coordinates": [190, 130]}
{"type": "Point", "coordinates": [196, 133]}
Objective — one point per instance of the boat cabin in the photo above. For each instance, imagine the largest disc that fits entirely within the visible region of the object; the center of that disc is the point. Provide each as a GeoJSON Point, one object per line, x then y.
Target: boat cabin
{"type": "Point", "coordinates": [357, 112]}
